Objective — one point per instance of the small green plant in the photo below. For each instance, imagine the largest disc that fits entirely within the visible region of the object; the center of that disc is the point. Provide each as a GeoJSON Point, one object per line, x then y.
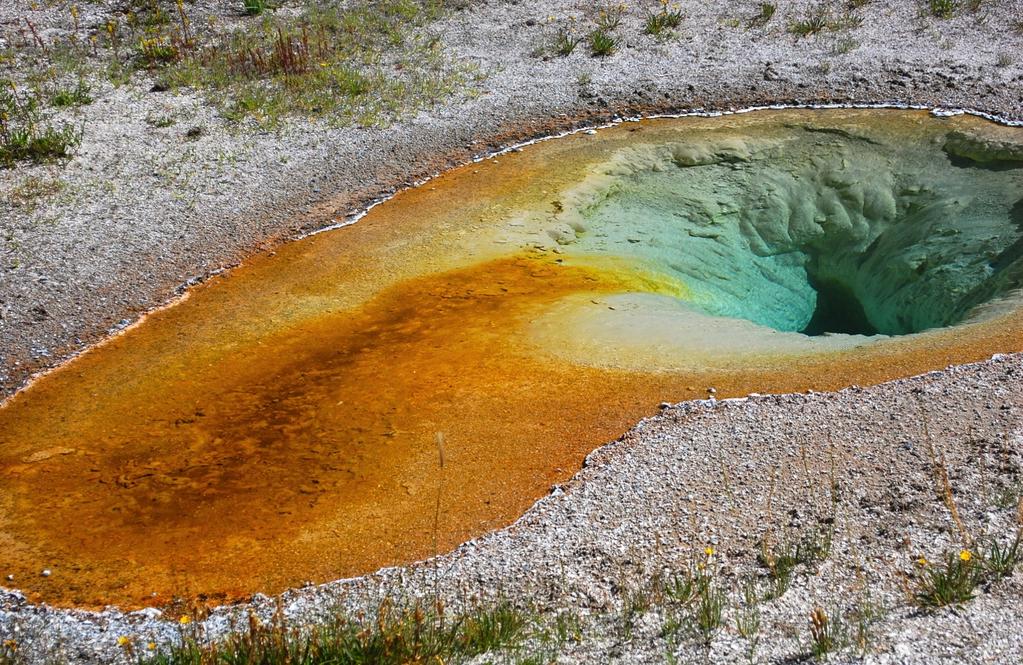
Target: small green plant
{"type": "Point", "coordinates": [707, 611]}
{"type": "Point", "coordinates": [80, 95]}
{"type": "Point", "coordinates": [780, 572]}
{"type": "Point", "coordinates": [846, 21]}
{"type": "Point", "coordinates": [568, 626]}
{"type": "Point", "coordinates": [158, 51]}
{"type": "Point", "coordinates": [942, 8]}
{"type": "Point", "coordinates": [845, 45]}
{"type": "Point", "coordinates": [565, 42]}
{"type": "Point", "coordinates": [602, 44]}
{"type": "Point", "coordinates": [23, 134]}
{"type": "Point", "coordinates": [150, 13]}
{"type": "Point", "coordinates": [811, 24]}
{"type": "Point", "coordinates": [635, 604]}
{"type": "Point", "coordinates": [609, 17]}
{"type": "Point", "coordinates": [32, 191]}
{"type": "Point", "coordinates": [865, 615]}
{"type": "Point", "coordinates": [693, 602]}
{"type": "Point", "coordinates": [682, 588]}
{"type": "Point", "coordinates": [781, 561]}
{"type": "Point", "coordinates": [254, 7]}
{"type": "Point", "coordinates": [952, 583]}
{"type": "Point", "coordinates": [747, 619]}
{"type": "Point", "coordinates": [661, 23]}
{"type": "Point", "coordinates": [160, 120]}
{"type": "Point", "coordinates": [1001, 561]}
{"type": "Point", "coordinates": [763, 16]}
{"type": "Point", "coordinates": [827, 633]}
{"type": "Point", "coordinates": [1008, 494]}
{"type": "Point", "coordinates": [489, 629]}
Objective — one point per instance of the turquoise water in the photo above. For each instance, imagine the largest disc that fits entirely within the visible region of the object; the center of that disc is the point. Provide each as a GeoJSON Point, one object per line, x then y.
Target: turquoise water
{"type": "Point", "coordinates": [812, 230]}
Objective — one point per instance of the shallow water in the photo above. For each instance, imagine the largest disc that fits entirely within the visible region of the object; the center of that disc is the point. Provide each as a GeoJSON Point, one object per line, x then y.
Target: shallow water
{"type": "Point", "coordinates": [279, 425]}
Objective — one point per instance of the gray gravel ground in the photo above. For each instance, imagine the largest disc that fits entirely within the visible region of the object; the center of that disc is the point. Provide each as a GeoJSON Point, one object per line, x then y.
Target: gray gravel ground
{"type": "Point", "coordinates": [143, 210]}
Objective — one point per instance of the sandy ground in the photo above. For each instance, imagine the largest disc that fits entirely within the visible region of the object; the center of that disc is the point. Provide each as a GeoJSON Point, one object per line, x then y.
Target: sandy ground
{"type": "Point", "coordinates": [144, 211]}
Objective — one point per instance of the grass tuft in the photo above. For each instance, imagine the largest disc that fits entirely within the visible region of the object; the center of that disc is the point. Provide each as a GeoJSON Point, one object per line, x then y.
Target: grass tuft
{"type": "Point", "coordinates": [952, 583]}
{"type": "Point", "coordinates": [565, 42]}
{"type": "Point", "coordinates": [708, 611]}
{"type": "Point", "coordinates": [747, 620]}
{"type": "Point", "coordinates": [660, 24]}
{"type": "Point", "coordinates": [811, 24]}
{"type": "Point", "coordinates": [609, 17]}
{"type": "Point", "coordinates": [819, 20]}
{"type": "Point", "coordinates": [827, 633]}
{"type": "Point", "coordinates": [80, 95]}
{"type": "Point", "coordinates": [33, 191]}
{"type": "Point", "coordinates": [781, 561]}
{"type": "Point", "coordinates": [602, 43]}
{"type": "Point", "coordinates": [24, 137]}
{"type": "Point", "coordinates": [1001, 560]}
{"type": "Point", "coordinates": [942, 8]}
{"type": "Point", "coordinates": [413, 635]}
{"type": "Point", "coordinates": [763, 16]}
{"type": "Point", "coordinates": [254, 7]}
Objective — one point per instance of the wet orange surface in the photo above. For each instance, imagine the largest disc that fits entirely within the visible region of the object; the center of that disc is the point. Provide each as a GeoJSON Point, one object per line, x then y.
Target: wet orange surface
{"type": "Point", "coordinates": [225, 447]}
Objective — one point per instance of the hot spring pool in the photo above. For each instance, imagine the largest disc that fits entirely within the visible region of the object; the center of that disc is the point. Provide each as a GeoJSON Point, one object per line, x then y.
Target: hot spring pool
{"type": "Point", "coordinates": [279, 424]}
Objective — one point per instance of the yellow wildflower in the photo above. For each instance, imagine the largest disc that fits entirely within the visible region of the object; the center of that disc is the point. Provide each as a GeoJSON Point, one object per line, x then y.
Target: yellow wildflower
{"type": "Point", "coordinates": [922, 561]}
{"type": "Point", "coordinates": [184, 620]}
{"type": "Point", "coordinates": [151, 646]}
{"type": "Point", "coordinates": [709, 551]}
{"type": "Point", "coordinates": [965, 555]}
{"type": "Point", "coordinates": [122, 641]}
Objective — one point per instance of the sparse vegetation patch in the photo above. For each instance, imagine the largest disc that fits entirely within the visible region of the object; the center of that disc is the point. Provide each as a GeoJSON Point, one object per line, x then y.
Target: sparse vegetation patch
{"type": "Point", "coordinates": [765, 13]}
{"type": "Point", "coordinates": [602, 43]}
{"type": "Point", "coordinates": [660, 24]}
{"type": "Point", "coordinates": [942, 8]}
{"type": "Point", "coordinates": [361, 63]}
{"type": "Point", "coordinates": [411, 635]}
{"type": "Point", "coordinates": [25, 135]}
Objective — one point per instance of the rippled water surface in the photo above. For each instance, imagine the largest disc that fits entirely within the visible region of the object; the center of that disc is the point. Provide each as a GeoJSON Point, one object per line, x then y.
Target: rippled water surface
{"type": "Point", "coordinates": [280, 424]}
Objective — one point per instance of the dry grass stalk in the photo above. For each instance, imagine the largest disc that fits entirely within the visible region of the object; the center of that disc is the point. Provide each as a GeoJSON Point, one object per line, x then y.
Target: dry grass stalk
{"type": "Point", "coordinates": [766, 542]}
{"type": "Point", "coordinates": [941, 479]}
